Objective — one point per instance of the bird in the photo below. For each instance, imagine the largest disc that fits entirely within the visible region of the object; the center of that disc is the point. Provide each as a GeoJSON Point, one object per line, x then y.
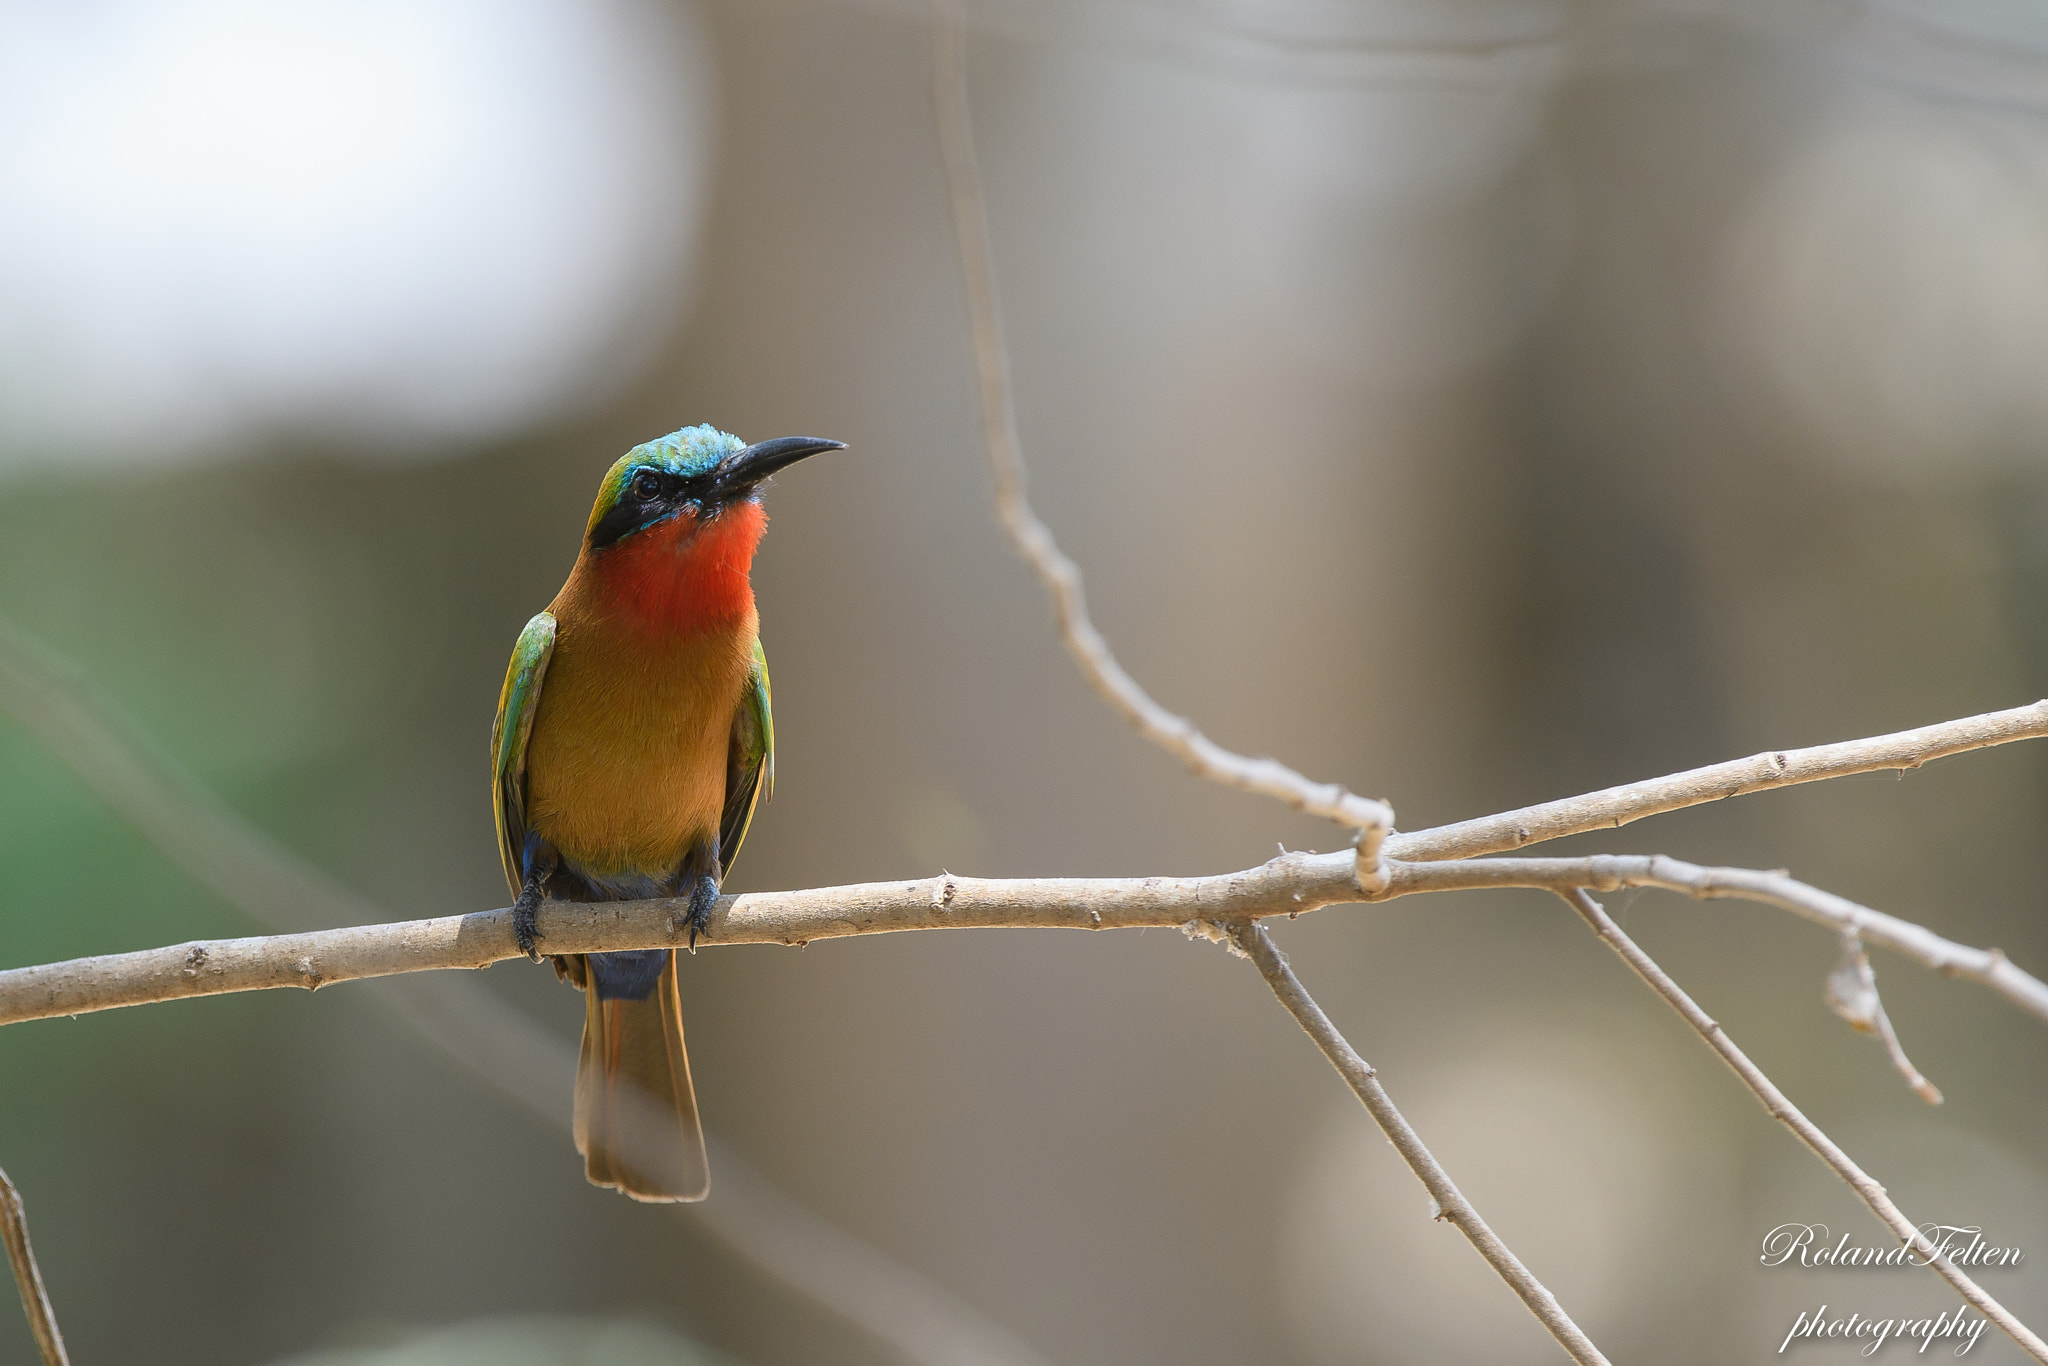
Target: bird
{"type": "Point", "coordinates": [634, 740]}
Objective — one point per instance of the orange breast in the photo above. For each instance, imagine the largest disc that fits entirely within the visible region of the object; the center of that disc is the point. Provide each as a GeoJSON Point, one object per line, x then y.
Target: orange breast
{"type": "Point", "coordinates": [625, 769]}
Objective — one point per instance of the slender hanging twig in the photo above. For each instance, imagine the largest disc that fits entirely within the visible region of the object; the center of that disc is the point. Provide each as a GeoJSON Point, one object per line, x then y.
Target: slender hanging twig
{"type": "Point", "coordinates": [28, 1278]}
{"type": "Point", "coordinates": [1060, 575]}
{"type": "Point", "coordinates": [1451, 1205]}
{"type": "Point", "coordinates": [1782, 1109]}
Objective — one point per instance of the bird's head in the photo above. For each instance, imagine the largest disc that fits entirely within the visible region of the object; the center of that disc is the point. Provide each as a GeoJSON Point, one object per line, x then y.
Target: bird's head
{"type": "Point", "coordinates": [688, 479]}
{"type": "Point", "coordinates": [671, 539]}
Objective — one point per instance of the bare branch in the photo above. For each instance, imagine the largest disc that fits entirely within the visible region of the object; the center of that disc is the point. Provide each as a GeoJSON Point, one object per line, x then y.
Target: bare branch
{"type": "Point", "coordinates": [1291, 884]}
{"type": "Point", "coordinates": [1809, 1133]}
{"type": "Point", "coordinates": [1451, 1205]}
{"type": "Point", "coordinates": [42, 1320]}
{"type": "Point", "coordinates": [1616, 806]}
{"type": "Point", "coordinates": [1294, 882]}
{"type": "Point", "coordinates": [1062, 578]}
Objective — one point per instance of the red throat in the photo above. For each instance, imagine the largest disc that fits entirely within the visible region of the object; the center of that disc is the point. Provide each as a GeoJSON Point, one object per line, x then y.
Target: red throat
{"type": "Point", "coordinates": [683, 576]}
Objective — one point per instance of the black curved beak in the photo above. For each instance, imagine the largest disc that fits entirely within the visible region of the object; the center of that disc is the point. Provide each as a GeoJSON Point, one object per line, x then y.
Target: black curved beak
{"type": "Point", "coordinates": [743, 469]}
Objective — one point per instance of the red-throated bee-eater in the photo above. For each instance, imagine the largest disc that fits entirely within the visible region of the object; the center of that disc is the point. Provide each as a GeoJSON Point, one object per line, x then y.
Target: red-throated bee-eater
{"type": "Point", "coordinates": [635, 770]}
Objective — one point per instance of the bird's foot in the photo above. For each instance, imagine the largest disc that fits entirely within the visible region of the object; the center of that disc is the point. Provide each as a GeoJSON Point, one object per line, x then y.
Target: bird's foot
{"type": "Point", "coordinates": [525, 928]}
{"type": "Point", "coordinates": [540, 860]}
{"type": "Point", "coordinates": [703, 896]}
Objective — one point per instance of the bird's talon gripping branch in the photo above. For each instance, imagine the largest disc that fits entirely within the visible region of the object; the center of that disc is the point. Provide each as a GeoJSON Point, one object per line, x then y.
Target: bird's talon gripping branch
{"type": "Point", "coordinates": [525, 926]}
{"type": "Point", "coordinates": [703, 897]}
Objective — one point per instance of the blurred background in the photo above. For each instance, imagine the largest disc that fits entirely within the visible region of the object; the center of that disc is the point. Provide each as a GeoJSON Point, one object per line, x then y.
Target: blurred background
{"type": "Point", "coordinates": [1473, 403]}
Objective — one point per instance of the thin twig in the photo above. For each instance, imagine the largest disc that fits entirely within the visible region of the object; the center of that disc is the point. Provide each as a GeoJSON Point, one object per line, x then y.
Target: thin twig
{"type": "Point", "coordinates": [1451, 1205]}
{"type": "Point", "coordinates": [1809, 1133]}
{"type": "Point", "coordinates": [1061, 577]}
{"type": "Point", "coordinates": [467, 1023]}
{"type": "Point", "coordinates": [1852, 994]}
{"type": "Point", "coordinates": [1607, 872]}
{"type": "Point", "coordinates": [28, 1278]}
{"type": "Point", "coordinates": [1617, 806]}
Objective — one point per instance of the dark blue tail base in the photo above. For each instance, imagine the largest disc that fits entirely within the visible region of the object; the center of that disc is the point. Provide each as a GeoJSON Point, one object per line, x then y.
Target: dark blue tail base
{"type": "Point", "coordinates": [629, 974]}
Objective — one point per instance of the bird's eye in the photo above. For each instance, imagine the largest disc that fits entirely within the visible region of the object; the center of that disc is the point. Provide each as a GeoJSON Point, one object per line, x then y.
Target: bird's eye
{"type": "Point", "coordinates": [646, 485]}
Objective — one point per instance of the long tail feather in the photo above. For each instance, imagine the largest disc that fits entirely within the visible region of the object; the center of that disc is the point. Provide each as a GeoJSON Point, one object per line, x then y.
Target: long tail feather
{"type": "Point", "coordinates": [636, 1114]}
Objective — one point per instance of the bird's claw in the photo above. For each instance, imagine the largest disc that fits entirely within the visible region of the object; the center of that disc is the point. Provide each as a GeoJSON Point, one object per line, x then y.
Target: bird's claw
{"type": "Point", "coordinates": [703, 896]}
{"type": "Point", "coordinates": [525, 926]}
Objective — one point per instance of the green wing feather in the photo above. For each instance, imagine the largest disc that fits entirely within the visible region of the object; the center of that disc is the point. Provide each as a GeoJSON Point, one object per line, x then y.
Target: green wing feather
{"type": "Point", "coordinates": [750, 762]}
{"type": "Point", "coordinates": [516, 707]}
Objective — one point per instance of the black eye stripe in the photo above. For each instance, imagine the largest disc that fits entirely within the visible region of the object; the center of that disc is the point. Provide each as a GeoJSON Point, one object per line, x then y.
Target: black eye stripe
{"type": "Point", "coordinates": [650, 485]}
{"type": "Point", "coordinates": [650, 496]}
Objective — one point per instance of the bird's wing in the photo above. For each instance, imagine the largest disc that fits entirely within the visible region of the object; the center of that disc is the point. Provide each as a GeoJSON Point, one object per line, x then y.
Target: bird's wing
{"type": "Point", "coordinates": [749, 762]}
{"type": "Point", "coordinates": [516, 707]}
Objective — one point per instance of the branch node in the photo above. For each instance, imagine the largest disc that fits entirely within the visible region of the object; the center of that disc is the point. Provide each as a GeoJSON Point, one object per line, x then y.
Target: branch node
{"type": "Point", "coordinates": [1852, 994]}
{"type": "Point", "coordinates": [1225, 935]}
{"type": "Point", "coordinates": [1374, 877]}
